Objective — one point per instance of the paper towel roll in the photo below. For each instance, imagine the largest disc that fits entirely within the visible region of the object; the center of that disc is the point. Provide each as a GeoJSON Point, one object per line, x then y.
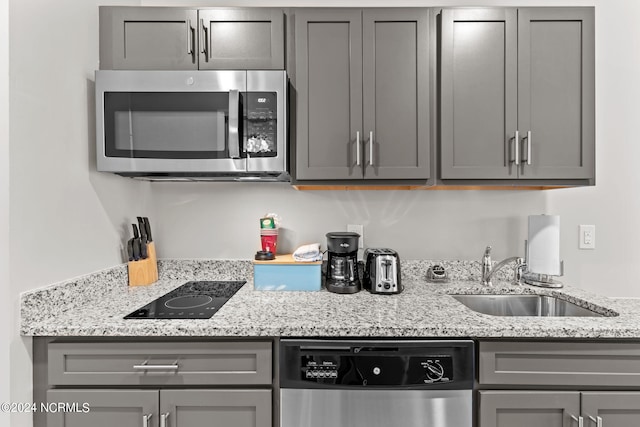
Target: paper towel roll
{"type": "Point", "coordinates": [544, 245]}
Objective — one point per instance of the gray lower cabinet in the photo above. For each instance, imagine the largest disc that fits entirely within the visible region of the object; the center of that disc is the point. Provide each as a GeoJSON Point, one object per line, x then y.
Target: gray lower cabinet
{"type": "Point", "coordinates": [528, 408]}
{"type": "Point", "coordinates": [611, 409]}
{"type": "Point", "coordinates": [517, 93]}
{"type": "Point", "coordinates": [563, 369]}
{"type": "Point", "coordinates": [362, 85]}
{"type": "Point", "coordinates": [173, 38]}
{"type": "Point", "coordinates": [156, 383]}
{"type": "Point", "coordinates": [102, 408]}
{"type": "Point", "coordinates": [558, 409]}
{"type": "Point", "coordinates": [197, 408]}
{"type": "Point", "coordinates": [153, 408]}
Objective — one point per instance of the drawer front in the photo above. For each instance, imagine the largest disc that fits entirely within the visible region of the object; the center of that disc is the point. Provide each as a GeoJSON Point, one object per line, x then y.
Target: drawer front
{"type": "Point", "coordinates": [168, 363]}
{"type": "Point", "coordinates": [562, 364]}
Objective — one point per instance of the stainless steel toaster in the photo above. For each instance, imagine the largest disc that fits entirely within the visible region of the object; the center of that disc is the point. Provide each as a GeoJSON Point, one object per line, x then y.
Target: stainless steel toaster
{"type": "Point", "coordinates": [382, 271]}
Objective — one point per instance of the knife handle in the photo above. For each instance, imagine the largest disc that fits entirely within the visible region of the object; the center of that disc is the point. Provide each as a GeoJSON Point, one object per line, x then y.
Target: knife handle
{"type": "Point", "coordinates": [143, 230]}
{"type": "Point", "coordinates": [130, 249]}
{"type": "Point", "coordinates": [136, 233]}
{"type": "Point", "coordinates": [147, 228]}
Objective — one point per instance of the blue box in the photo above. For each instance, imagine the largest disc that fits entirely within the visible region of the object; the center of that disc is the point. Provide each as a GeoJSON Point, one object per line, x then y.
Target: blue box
{"type": "Point", "coordinates": [285, 274]}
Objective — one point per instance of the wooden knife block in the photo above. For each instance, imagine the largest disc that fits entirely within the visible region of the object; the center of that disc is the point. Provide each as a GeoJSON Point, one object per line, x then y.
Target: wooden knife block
{"type": "Point", "coordinates": [145, 271]}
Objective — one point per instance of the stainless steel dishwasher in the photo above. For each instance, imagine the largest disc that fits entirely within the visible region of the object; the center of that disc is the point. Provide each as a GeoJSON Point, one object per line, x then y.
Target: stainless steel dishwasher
{"type": "Point", "coordinates": [366, 383]}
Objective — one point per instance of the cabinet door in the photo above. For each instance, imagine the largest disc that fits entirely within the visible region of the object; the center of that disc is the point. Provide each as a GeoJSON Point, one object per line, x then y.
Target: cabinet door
{"type": "Point", "coordinates": [241, 38]}
{"type": "Point", "coordinates": [529, 408]}
{"type": "Point", "coordinates": [148, 38]}
{"type": "Point", "coordinates": [614, 409]}
{"type": "Point", "coordinates": [478, 93]}
{"type": "Point", "coordinates": [102, 408]}
{"type": "Point", "coordinates": [197, 408]}
{"type": "Point", "coordinates": [328, 50]}
{"type": "Point", "coordinates": [556, 86]}
{"type": "Point", "coordinates": [396, 93]}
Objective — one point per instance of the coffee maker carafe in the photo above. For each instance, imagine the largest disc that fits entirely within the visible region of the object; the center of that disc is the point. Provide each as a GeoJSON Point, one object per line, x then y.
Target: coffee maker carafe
{"type": "Point", "coordinates": [342, 264]}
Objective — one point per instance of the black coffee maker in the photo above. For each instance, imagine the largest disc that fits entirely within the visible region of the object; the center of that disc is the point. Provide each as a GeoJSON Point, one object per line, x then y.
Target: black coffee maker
{"type": "Point", "coordinates": [342, 264]}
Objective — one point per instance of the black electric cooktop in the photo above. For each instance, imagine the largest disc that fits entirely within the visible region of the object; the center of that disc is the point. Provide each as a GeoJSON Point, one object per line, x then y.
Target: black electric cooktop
{"type": "Point", "coordinates": [193, 300]}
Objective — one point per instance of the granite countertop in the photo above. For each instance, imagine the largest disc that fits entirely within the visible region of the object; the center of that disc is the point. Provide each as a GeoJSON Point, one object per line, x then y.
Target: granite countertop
{"type": "Point", "coordinates": [94, 305]}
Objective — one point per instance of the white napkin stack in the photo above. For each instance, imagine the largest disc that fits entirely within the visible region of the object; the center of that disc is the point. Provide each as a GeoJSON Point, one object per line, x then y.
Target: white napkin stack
{"type": "Point", "coordinates": [308, 253]}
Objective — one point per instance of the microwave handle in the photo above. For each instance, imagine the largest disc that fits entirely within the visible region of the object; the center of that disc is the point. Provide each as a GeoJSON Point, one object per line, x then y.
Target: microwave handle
{"type": "Point", "coordinates": [234, 121]}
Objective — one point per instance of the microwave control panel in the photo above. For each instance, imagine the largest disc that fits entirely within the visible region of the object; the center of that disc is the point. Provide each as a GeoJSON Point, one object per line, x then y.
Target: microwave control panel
{"type": "Point", "coordinates": [260, 124]}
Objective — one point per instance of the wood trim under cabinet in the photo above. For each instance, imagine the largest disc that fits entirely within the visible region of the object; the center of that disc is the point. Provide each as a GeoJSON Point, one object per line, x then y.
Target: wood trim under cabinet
{"type": "Point", "coordinates": [423, 187]}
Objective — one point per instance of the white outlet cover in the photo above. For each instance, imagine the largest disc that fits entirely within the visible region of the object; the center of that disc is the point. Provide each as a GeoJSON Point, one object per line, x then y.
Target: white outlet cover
{"type": "Point", "coordinates": [587, 237]}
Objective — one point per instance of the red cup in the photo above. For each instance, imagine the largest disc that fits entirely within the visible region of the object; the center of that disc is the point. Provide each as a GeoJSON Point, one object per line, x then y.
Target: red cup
{"type": "Point", "coordinates": [269, 242]}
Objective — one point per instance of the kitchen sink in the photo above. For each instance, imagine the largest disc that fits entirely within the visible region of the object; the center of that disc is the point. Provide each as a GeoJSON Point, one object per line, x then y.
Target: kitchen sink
{"type": "Point", "coordinates": [524, 305]}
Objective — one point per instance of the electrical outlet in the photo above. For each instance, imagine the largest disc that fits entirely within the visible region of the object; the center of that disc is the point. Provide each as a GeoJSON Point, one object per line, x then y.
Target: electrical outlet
{"type": "Point", "coordinates": [357, 228]}
{"type": "Point", "coordinates": [587, 237]}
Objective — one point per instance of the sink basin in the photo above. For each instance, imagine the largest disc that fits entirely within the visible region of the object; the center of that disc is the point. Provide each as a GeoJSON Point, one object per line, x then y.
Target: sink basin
{"type": "Point", "coordinates": [523, 305]}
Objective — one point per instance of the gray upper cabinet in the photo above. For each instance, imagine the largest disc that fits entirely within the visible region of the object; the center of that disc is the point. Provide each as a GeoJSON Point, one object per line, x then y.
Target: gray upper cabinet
{"type": "Point", "coordinates": [251, 38]}
{"type": "Point", "coordinates": [139, 38]}
{"type": "Point", "coordinates": [328, 52]}
{"type": "Point", "coordinates": [172, 38]}
{"type": "Point", "coordinates": [556, 92]}
{"type": "Point", "coordinates": [362, 83]}
{"type": "Point", "coordinates": [396, 93]}
{"type": "Point", "coordinates": [517, 94]}
{"type": "Point", "coordinates": [478, 93]}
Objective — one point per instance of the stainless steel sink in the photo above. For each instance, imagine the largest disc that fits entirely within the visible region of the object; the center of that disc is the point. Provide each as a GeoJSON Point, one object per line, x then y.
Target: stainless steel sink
{"type": "Point", "coordinates": [523, 305]}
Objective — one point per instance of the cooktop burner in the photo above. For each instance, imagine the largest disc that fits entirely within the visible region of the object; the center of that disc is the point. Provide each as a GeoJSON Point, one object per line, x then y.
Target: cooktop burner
{"type": "Point", "coordinates": [193, 300]}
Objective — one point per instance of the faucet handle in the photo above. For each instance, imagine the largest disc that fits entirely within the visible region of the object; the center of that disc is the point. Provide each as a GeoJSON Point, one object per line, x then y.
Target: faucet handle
{"type": "Point", "coordinates": [518, 272]}
{"type": "Point", "coordinates": [487, 251]}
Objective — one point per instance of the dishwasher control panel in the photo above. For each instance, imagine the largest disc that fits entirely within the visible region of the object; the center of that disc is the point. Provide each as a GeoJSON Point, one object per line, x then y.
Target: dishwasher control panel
{"type": "Point", "coordinates": [350, 364]}
{"type": "Point", "coordinates": [376, 369]}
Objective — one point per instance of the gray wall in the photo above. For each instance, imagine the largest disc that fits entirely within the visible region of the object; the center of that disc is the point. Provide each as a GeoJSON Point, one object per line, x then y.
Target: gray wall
{"type": "Point", "coordinates": [220, 220]}
{"type": "Point", "coordinates": [7, 322]}
{"type": "Point", "coordinates": [66, 219]}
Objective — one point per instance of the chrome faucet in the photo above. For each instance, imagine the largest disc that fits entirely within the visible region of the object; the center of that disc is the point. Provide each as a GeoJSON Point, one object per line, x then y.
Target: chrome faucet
{"type": "Point", "coordinates": [488, 271]}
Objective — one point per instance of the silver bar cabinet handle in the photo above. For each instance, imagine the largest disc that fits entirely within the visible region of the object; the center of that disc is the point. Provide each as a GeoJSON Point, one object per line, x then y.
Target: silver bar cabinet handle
{"type": "Point", "coordinates": [205, 40]}
{"type": "Point", "coordinates": [529, 147]}
{"type": "Point", "coordinates": [234, 120]}
{"type": "Point", "coordinates": [145, 420]}
{"type": "Point", "coordinates": [145, 367]}
{"type": "Point", "coordinates": [358, 147]}
{"type": "Point", "coordinates": [189, 40]}
{"type": "Point", "coordinates": [371, 148]}
{"type": "Point", "coordinates": [597, 420]}
{"type": "Point", "coordinates": [163, 419]}
{"type": "Point", "coordinates": [579, 420]}
{"type": "Point", "coordinates": [516, 140]}
{"type": "Point", "coordinates": [200, 35]}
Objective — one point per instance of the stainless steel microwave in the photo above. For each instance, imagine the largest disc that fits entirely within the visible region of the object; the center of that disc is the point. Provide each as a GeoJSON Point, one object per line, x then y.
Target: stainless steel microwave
{"type": "Point", "coordinates": [192, 124]}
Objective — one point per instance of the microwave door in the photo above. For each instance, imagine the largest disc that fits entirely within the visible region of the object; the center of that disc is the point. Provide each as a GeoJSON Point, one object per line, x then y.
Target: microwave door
{"type": "Point", "coordinates": [170, 122]}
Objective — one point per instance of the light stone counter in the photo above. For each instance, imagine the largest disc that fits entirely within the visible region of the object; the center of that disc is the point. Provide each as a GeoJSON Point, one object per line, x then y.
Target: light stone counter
{"type": "Point", "coordinates": [95, 305]}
